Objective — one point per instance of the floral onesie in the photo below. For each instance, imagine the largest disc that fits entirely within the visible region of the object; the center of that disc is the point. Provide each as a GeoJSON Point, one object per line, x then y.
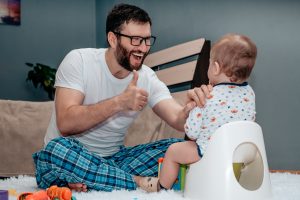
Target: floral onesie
{"type": "Point", "coordinates": [229, 102]}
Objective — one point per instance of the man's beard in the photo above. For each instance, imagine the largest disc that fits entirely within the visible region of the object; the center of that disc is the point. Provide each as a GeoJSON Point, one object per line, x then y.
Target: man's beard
{"type": "Point", "coordinates": [123, 58]}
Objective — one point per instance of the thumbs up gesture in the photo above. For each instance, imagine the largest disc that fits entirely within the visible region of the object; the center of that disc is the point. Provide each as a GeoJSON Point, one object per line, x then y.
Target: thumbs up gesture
{"type": "Point", "coordinates": [134, 98]}
{"type": "Point", "coordinates": [134, 78]}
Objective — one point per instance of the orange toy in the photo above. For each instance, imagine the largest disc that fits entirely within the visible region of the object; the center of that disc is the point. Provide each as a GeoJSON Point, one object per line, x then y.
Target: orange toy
{"type": "Point", "coordinates": [52, 193]}
{"type": "Point", "coordinates": [40, 195]}
{"type": "Point", "coordinates": [61, 193]}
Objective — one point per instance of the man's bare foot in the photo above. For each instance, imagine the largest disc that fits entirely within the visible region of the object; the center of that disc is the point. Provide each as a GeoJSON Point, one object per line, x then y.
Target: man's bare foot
{"type": "Point", "coordinates": [78, 187]}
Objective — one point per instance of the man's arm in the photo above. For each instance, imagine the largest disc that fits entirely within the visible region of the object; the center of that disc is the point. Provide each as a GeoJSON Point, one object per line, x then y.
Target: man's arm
{"type": "Point", "coordinates": [73, 118]}
{"type": "Point", "coordinates": [175, 114]}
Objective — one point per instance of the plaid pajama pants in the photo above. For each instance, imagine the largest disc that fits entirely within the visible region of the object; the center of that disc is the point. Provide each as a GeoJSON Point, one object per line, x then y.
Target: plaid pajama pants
{"type": "Point", "coordinates": [66, 160]}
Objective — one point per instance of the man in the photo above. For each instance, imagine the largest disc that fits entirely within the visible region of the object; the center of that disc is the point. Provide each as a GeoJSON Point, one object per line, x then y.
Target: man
{"type": "Point", "coordinates": [99, 92]}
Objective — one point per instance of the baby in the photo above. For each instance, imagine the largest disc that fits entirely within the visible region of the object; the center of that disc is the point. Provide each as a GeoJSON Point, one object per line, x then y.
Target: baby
{"type": "Point", "coordinates": [232, 59]}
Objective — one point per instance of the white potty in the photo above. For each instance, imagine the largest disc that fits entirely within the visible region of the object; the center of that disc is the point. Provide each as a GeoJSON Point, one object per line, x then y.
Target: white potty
{"type": "Point", "coordinates": [239, 144]}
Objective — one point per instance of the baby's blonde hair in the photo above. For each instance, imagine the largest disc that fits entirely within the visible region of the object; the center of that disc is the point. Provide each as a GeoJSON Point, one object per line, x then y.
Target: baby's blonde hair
{"type": "Point", "coordinates": [236, 55]}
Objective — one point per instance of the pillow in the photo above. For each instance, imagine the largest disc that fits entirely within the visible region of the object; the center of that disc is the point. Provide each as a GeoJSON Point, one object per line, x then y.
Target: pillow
{"type": "Point", "coordinates": [23, 125]}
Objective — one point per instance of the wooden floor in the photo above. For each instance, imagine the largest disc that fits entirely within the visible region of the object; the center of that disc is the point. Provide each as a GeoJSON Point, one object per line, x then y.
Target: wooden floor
{"type": "Point", "coordinates": [285, 171]}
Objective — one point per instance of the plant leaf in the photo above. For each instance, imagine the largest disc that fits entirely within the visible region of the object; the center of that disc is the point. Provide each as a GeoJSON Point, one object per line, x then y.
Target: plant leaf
{"type": "Point", "coordinates": [43, 76]}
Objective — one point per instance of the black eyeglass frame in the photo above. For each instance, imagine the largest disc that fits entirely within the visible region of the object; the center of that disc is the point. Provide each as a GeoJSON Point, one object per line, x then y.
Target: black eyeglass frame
{"type": "Point", "coordinates": [141, 39]}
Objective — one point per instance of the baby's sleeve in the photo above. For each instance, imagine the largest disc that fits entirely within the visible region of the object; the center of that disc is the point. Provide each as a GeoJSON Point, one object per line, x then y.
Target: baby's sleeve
{"type": "Point", "coordinates": [193, 123]}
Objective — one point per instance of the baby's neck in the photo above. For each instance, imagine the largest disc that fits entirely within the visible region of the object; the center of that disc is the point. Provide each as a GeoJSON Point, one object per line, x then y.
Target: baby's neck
{"type": "Point", "coordinates": [226, 79]}
{"type": "Point", "coordinates": [221, 78]}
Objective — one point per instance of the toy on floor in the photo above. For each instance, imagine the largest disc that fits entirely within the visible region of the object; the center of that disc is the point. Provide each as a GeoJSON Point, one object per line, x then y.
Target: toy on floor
{"type": "Point", "coordinates": [39, 195]}
{"type": "Point", "coordinates": [52, 193]}
{"type": "Point", "coordinates": [180, 181]}
{"type": "Point", "coordinates": [3, 195]}
{"type": "Point", "coordinates": [62, 193]}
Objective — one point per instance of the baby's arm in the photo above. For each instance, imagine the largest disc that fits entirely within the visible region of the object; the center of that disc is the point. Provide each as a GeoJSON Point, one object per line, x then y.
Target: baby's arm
{"type": "Point", "coordinates": [193, 124]}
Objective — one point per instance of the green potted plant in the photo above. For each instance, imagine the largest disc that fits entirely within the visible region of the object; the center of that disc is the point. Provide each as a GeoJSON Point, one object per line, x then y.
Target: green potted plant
{"type": "Point", "coordinates": [43, 76]}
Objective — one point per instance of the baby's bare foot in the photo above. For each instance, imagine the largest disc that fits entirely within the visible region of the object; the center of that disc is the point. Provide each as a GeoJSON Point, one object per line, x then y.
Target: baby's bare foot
{"type": "Point", "coordinates": [149, 184]}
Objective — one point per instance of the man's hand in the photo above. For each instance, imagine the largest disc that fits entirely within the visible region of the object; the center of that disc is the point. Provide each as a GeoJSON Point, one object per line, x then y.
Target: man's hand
{"type": "Point", "coordinates": [134, 98]}
{"type": "Point", "coordinates": [199, 95]}
{"type": "Point", "coordinates": [188, 107]}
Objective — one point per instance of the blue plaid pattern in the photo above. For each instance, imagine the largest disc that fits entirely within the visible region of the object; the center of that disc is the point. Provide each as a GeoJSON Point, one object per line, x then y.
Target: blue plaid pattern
{"type": "Point", "coordinates": [65, 160]}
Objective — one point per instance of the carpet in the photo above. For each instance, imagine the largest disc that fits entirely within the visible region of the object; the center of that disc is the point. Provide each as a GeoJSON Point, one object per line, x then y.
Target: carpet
{"type": "Point", "coordinates": [285, 186]}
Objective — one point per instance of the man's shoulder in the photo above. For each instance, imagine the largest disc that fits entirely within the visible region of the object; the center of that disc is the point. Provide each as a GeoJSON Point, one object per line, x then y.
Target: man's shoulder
{"type": "Point", "coordinates": [146, 70]}
{"type": "Point", "coordinates": [86, 54]}
{"type": "Point", "coordinates": [88, 50]}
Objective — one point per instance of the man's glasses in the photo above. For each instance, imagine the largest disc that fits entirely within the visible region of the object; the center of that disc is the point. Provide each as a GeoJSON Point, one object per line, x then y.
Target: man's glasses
{"type": "Point", "coordinates": [137, 40]}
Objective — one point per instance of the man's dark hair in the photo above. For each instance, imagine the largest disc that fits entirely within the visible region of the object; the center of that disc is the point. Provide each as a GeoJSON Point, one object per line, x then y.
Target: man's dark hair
{"type": "Point", "coordinates": [125, 13]}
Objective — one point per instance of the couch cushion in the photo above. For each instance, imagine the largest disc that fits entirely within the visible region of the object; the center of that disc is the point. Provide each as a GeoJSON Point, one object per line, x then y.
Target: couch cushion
{"type": "Point", "coordinates": [23, 125]}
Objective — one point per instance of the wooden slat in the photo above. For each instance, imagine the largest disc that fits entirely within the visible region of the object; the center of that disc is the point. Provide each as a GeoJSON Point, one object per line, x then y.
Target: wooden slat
{"type": "Point", "coordinates": [177, 74]}
{"type": "Point", "coordinates": [182, 95]}
{"type": "Point", "coordinates": [174, 53]}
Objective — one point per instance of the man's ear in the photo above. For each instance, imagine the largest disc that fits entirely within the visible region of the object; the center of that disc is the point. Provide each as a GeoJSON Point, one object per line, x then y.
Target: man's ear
{"type": "Point", "coordinates": [112, 39]}
{"type": "Point", "coordinates": [217, 68]}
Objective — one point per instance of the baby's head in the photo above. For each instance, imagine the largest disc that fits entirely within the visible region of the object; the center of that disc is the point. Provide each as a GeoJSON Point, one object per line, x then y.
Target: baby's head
{"type": "Point", "coordinates": [232, 59]}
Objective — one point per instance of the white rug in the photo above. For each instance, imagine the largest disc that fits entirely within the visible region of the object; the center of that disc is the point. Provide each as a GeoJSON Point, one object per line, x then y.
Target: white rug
{"type": "Point", "coordinates": [284, 186]}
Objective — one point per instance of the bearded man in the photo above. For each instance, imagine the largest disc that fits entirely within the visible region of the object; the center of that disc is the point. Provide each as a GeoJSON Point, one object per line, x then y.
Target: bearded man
{"type": "Point", "coordinates": [99, 92]}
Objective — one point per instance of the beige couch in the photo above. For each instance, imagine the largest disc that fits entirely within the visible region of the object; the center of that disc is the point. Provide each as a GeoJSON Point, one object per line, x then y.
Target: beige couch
{"type": "Point", "coordinates": [22, 128]}
{"type": "Point", "coordinates": [23, 125]}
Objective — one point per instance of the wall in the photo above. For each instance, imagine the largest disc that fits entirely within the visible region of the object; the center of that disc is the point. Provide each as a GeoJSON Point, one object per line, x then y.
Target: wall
{"type": "Point", "coordinates": [273, 25]}
{"type": "Point", "coordinates": [49, 29]}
